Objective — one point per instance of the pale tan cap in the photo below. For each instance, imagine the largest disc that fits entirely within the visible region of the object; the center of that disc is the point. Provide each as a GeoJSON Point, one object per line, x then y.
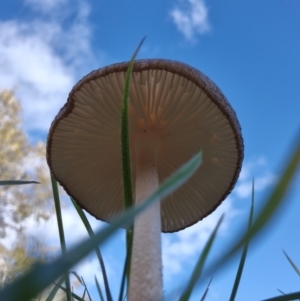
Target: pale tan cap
{"type": "Point", "coordinates": [182, 107]}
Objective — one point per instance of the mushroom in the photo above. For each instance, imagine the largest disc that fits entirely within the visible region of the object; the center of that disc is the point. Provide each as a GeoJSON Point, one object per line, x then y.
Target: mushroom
{"type": "Point", "coordinates": [173, 110]}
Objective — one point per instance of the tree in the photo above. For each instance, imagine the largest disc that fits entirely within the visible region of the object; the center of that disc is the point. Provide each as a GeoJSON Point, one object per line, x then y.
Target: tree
{"type": "Point", "coordinates": [19, 160]}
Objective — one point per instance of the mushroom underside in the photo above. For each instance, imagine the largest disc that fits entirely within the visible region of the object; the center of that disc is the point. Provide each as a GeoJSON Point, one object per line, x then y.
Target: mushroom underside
{"type": "Point", "coordinates": [179, 128]}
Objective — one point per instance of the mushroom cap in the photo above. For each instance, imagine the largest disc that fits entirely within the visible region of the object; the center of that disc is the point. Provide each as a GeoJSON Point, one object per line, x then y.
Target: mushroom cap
{"type": "Point", "coordinates": [180, 105]}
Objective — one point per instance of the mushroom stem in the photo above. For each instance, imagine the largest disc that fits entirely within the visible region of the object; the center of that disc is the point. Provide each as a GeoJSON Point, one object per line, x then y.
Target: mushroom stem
{"type": "Point", "coordinates": [145, 281]}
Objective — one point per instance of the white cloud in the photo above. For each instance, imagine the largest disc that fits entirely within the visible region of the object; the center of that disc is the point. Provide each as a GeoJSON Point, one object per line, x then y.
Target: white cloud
{"type": "Point", "coordinates": [182, 248]}
{"type": "Point", "coordinates": [74, 232]}
{"type": "Point", "coordinates": [48, 230]}
{"type": "Point", "coordinates": [244, 189]}
{"type": "Point", "coordinates": [257, 170]}
{"type": "Point", "coordinates": [91, 268]}
{"type": "Point", "coordinates": [188, 243]}
{"type": "Point", "coordinates": [43, 58]}
{"type": "Point", "coordinates": [191, 18]}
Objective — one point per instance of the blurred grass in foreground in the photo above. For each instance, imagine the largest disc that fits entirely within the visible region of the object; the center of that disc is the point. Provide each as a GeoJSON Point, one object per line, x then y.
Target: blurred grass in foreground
{"type": "Point", "coordinates": [41, 276]}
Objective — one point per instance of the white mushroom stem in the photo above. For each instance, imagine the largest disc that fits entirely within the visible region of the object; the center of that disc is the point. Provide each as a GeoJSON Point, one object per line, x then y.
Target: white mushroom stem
{"type": "Point", "coordinates": [145, 283]}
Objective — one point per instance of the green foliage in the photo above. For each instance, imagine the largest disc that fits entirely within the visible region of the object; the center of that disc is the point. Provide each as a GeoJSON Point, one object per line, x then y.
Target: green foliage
{"type": "Point", "coordinates": [294, 266]}
{"type": "Point", "coordinates": [288, 297]}
{"type": "Point", "coordinates": [244, 254]}
{"type": "Point", "coordinates": [17, 182]}
{"type": "Point", "coordinates": [19, 201]}
{"type": "Point", "coordinates": [41, 275]}
{"type": "Point", "coordinates": [61, 232]}
{"type": "Point", "coordinates": [55, 289]}
{"type": "Point", "coordinates": [20, 163]}
{"type": "Point", "coordinates": [98, 253]}
{"type": "Point", "coordinates": [99, 289]}
{"type": "Point", "coordinates": [297, 270]}
{"type": "Point", "coordinates": [200, 264]}
{"type": "Point", "coordinates": [125, 149]}
{"type": "Point", "coordinates": [126, 165]}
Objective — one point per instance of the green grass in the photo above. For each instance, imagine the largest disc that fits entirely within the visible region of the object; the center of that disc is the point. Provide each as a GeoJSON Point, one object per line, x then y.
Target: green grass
{"type": "Point", "coordinates": [41, 276]}
{"type": "Point", "coordinates": [126, 169]}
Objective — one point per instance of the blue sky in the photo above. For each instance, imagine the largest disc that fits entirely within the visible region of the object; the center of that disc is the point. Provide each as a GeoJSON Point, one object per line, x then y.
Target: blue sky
{"type": "Point", "coordinates": [250, 49]}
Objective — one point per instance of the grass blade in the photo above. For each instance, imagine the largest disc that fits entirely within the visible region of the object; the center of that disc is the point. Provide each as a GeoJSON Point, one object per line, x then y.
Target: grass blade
{"type": "Point", "coordinates": [77, 276]}
{"type": "Point", "coordinates": [55, 289]}
{"type": "Point", "coordinates": [41, 275]}
{"type": "Point", "coordinates": [200, 264]}
{"type": "Point", "coordinates": [61, 232]}
{"type": "Point", "coordinates": [175, 180]}
{"type": "Point", "coordinates": [287, 297]}
{"type": "Point", "coordinates": [292, 263]}
{"type": "Point", "coordinates": [86, 289]}
{"type": "Point", "coordinates": [97, 250]}
{"type": "Point", "coordinates": [83, 294]}
{"type": "Point", "coordinates": [276, 197]}
{"type": "Point", "coordinates": [124, 274]}
{"type": "Point", "coordinates": [17, 182]}
{"type": "Point", "coordinates": [99, 289]}
{"type": "Point", "coordinates": [244, 254]}
{"type": "Point", "coordinates": [126, 166]}
{"type": "Point", "coordinates": [206, 291]}
{"type": "Point", "coordinates": [75, 296]}
{"type": "Point", "coordinates": [129, 241]}
{"type": "Point", "coordinates": [125, 149]}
